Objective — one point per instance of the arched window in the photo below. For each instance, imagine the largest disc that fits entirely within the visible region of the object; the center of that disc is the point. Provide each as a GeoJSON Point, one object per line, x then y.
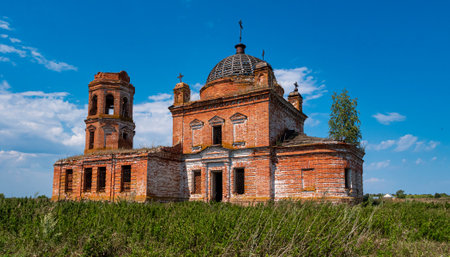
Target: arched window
{"type": "Point", "coordinates": [124, 107]}
{"type": "Point", "coordinates": [109, 104]}
{"type": "Point", "coordinates": [93, 110]}
{"type": "Point", "coordinates": [124, 136]}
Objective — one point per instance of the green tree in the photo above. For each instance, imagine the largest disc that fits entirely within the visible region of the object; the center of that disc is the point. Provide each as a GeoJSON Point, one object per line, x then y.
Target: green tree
{"type": "Point", "coordinates": [344, 122]}
{"type": "Point", "coordinates": [400, 194]}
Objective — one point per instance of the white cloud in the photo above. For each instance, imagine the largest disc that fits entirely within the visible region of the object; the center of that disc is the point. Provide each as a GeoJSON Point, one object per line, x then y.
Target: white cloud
{"type": "Point", "coordinates": [4, 25]}
{"type": "Point", "coordinates": [373, 180]}
{"type": "Point", "coordinates": [4, 85]}
{"type": "Point", "coordinates": [6, 49]}
{"type": "Point", "coordinates": [4, 59]}
{"type": "Point", "coordinates": [405, 142]}
{"type": "Point", "coordinates": [434, 158]}
{"type": "Point", "coordinates": [153, 122]}
{"type": "Point", "coordinates": [25, 174]}
{"type": "Point", "coordinates": [382, 146]}
{"type": "Point", "coordinates": [378, 165]}
{"type": "Point", "coordinates": [51, 65]}
{"type": "Point", "coordinates": [32, 53]}
{"type": "Point", "coordinates": [160, 96]}
{"type": "Point", "coordinates": [388, 118]}
{"type": "Point", "coordinates": [14, 40]}
{"type": "Point", "coordinates": [419, 161]}
{"type": "Point", "coordinates": [197, 86]}
{"type": "Point", "coordinates": [309, 87]}
{"type": "Point", "coordinates": [42, 117]}
{"type": "Point", "coordinates": [315, 118]}
{"type": "Point", "coordinates": [426, 146]}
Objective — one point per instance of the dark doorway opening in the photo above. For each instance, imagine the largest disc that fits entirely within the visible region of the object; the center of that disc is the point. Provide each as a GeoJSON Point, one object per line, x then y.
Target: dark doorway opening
{"type": "Point", "coordinates": [217, 186]}
{"type": "Point", "coordinates": [217, 135]}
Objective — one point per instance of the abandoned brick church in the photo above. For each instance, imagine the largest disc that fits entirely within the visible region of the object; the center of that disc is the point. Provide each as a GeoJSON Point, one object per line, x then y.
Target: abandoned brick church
{"type": "Point", "coordinates": [242, 142]}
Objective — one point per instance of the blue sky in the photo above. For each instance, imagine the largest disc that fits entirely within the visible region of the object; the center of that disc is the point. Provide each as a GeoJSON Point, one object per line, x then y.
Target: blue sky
{"type": "Point", "coordinates": [391, 55]}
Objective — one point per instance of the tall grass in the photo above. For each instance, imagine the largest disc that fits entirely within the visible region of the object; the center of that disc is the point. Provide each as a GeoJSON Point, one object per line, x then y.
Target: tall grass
{"type": "Point", "coordinates": [42, 228]}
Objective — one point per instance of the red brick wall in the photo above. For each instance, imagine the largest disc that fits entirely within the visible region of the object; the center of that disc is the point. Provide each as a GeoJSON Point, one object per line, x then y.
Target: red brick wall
{"type": "Point", "coordinates": [117, 85]}
{"type": "Point", "coordinates": [256, 125]}
{"type": "Point", "coordinates": [317, 171]}
{"type": "Point", "coordinates": [165, 179]}
{"type": "Point", "coordinates": [154, 176]}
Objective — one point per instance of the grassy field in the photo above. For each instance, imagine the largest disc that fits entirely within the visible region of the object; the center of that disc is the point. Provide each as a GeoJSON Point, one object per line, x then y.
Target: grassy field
{"type": "Point", "coordinates": [38, 227]}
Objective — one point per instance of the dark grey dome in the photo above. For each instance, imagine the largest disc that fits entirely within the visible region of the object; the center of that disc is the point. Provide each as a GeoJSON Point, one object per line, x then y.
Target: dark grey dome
{"type": "Point", "coordinates": [234, 65]}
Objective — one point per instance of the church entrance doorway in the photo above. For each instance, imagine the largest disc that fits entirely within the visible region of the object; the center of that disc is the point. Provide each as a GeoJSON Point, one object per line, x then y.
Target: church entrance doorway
{"type": "Point", "coordinates": [217, 186]}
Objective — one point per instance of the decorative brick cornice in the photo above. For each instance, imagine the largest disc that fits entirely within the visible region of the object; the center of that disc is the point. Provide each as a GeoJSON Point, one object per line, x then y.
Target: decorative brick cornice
{"type": "Point", "coordinates": [221, 102]}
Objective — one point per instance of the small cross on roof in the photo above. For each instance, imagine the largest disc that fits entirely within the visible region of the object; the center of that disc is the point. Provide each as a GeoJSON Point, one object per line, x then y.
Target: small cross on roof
{"type": "Point", "coordinates": [296, 86]}
{"type": "Point", "coordinates": [180, 77]}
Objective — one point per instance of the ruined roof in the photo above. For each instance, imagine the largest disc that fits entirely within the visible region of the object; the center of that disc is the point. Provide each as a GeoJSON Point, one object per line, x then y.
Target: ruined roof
{"type": "Point", "coordinates": [234, 65]}
{"type": "Point", "coordinates": [116, 151]}
{"type": "Point", "coordinates": [302, 139]}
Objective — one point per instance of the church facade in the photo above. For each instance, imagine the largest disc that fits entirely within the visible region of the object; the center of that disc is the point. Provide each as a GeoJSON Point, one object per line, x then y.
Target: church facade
{"type": "Point", "coordinates": [242, 142]}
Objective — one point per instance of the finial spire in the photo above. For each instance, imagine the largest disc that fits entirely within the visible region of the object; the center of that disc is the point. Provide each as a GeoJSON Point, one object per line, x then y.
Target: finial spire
{"type": "Point", "coordinates": [240, 31]}
{"type": "Point", "coordinates": [180, 77]}
{"type": "Point", "coordinates": [296, 86]}
{"type": "Point", "coordinates": [263, 55]}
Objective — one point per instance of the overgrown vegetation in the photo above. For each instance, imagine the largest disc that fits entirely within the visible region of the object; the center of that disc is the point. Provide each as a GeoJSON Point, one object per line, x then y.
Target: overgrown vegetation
{"type": "Point", "coordinates": [39, 227]}
{"type": "Point", "coordinates": [344, 122]}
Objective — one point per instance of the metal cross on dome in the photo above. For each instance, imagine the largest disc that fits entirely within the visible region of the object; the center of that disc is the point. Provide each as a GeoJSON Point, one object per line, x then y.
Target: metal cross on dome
{"type": "Point", "coordinates": [180, 77]}
{"type": "Point", "coordinates": [296, 86]}
{"type": "Point", "coordinates": [240, 31]}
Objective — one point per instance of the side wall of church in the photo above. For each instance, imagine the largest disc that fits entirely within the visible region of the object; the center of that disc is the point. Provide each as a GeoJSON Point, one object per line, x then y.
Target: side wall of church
{"type": "Point", "coordinates": [317, 172]}
{"type": "Point", "coordinates": [281, 119]}
{"type": "Point", "coordinates": [165, 179]}
{"type": "Point", "coordinates": [113, 188]}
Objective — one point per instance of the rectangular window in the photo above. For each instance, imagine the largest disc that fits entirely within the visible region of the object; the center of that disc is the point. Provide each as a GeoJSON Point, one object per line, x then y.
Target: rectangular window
{"type": "Point", "coordinates": [87, 179]}
{"type": "Point", "coordinates": [101, 179]}
{"type": "Point", "coordinates": [197, 187]}
{"type": "Point", "coordinates": [69, 179]}
{"type": "Point", "coordinates": [217, 135]}
{"type": "Point", "coordinates": [91, 139]}
{"type": "Point", "coordinates": [348, 178]}
{"type": "Point", "coordinates": [239, 181]}
{"type": "Point", "coordinates": [126, 178]}
{"type": "Point", "coordinates": [308, 180]}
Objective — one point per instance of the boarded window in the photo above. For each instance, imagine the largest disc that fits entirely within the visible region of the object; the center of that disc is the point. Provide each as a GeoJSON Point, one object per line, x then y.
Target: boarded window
{"type": "Point", "coordinates": [93, 110]}
{"type": "Point", "coordinates": [239, 181]}
{"type": "Point", "coordinates": [109, 104]}
{"type": "Point", "coordinates": [91, 139]}
{"type": "Point", "coordinates": [308, 179]}
{"type": "Point", "coordinates": [239, 132]}
{"type": "Point", "coordinates": [197, 187]}
{"type": "Point", "coordinates": [196, 135]}
{"type": "Point", "coordinates": [217, 135]}
{"type": "Point", "coordinates": [126, 178]}
{"type": "Point", "coordinates": [101, 179]}
{"type": "Point", "coordinates": [87, 179]}
{"type": "Point", "coordinates": [125, 107]}
{"type": "Point", "coordinates": [348, 178]}
{"type": "Point", "coordinates": [69, 180]}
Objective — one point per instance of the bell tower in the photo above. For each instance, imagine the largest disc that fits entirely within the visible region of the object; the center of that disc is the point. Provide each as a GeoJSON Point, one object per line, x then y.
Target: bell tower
{"type": "Point", "coordinates": [109, 124]}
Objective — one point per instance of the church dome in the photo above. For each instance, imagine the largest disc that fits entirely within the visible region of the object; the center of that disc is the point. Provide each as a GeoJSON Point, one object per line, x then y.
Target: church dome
{"type": "Point", "coordinates": [234, 65]}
